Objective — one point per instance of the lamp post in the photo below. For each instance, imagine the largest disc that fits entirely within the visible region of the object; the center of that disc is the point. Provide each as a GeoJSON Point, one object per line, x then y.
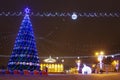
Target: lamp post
{"type": "Point", "coordinates": [100, 56]}
{"type": "Point", "coordinates": [115, 63]}
{"type": "Point", "coordinates": [78, 64]}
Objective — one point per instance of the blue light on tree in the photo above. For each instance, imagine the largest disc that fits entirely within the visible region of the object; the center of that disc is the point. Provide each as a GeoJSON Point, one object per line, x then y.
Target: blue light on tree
{"type": "Point", "coordinates": [27, 10]}
{"type": "Point", "coordinates": [24, 55]}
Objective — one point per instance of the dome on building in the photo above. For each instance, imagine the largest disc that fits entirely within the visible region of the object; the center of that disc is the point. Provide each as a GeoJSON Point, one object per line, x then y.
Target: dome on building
{"type": "Point", "coordinates": [49, 60]}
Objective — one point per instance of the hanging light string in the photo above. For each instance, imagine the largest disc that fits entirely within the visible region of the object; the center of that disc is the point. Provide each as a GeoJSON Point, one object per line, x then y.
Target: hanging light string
{"type": "Point", "coordinates": [106, 56]}
{"type": "Point", "coordinates": [64, 14]}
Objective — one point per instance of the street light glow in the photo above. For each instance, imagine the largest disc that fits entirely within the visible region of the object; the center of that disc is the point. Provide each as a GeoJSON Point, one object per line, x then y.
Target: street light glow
{"type": "Point", "coordinates": [78, 64]}
{"type": "Point", "coordinates": [96, 53]}
{"type": "Point", "coordinates": [100, 56]}
{"type": "Point", "coordinates": [102, 53]}
{"type": "Point", "coordinates": [112, 56]}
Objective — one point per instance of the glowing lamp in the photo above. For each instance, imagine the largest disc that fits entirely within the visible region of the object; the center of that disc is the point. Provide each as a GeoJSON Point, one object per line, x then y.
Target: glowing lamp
{"type": "Point", "coordinates": [112, 56]}
{"type": "Point", "coordinates": [74, 16]}
{"type": "Point", "coordinates": [62, 60]}
{"type": "Point", "coordinates": [106, 56]}
{"type": "Point", "coordinates": [101, 53]}
{"type": "Point", "coordinates": [78, 64]}
{"type": "Point", "coordinates": [96, 53]}
{"type": "Point", "coordinates": [100, 56]}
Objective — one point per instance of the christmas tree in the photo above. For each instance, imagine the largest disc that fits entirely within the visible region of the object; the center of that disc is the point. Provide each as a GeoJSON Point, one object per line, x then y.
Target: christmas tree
{"type": "Point", "coordinates": [24, 55]}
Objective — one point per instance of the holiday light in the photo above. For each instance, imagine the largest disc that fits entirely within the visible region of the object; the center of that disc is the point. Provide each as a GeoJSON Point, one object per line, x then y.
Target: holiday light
{"type": "Point", "coordinates": [73, 15]}
{"type": "Point", "coordinates": [86, 69]}
{"type": "Point", "coordinates": [24, 55]}
{"type": "Point", "coordinates": [78, 64]}
{"type": "Point", "coordinates": [70, 57]}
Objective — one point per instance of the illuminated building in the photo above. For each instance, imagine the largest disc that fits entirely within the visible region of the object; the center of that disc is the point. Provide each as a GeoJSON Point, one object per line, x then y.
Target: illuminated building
{"type": "Point", "coordinates": [52, 65]}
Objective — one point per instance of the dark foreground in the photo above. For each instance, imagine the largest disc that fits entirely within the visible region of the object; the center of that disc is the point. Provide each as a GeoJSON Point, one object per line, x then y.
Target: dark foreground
{"type": "Point", "coordinates": [109, 76]}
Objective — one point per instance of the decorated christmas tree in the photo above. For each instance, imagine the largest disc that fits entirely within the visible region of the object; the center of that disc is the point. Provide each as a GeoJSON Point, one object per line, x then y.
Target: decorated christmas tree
{"type": "Point", "coordinates": [24, 55]}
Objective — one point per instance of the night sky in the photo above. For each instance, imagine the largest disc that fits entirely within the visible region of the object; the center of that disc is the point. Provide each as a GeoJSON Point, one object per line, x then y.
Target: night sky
{"type": "Point", "coordinates": [62, 36]}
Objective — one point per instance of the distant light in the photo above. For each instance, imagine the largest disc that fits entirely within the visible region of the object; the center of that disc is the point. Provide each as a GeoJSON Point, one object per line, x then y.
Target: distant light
{"type": "Point", "coordinates": [102, 53]}
{"type": "Point", "coordinates": [62, 60]}
{"type": "Point", "coordinates": [112, 56]}
{"type": "Point", "coordinates": [74, 16]}
{"type": "Point", "coordinates": [78, 57]}
{"type": "Point", "coordinates": [106, 56]}
{"type": "Point", "coordinates": [96, 53]}
{"type": "Point", "coordinates": [93, 65]}
{"type": "Point", "coordinates": [78, 64]}
{"type": "Point", "coordinates": [100, 58]}
{"type": "Point", "coordinates": [57, 57]}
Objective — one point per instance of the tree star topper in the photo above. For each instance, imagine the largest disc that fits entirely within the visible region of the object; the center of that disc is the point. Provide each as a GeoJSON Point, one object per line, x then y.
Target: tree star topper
{"type": "Point", "coordinates": [27, 10]}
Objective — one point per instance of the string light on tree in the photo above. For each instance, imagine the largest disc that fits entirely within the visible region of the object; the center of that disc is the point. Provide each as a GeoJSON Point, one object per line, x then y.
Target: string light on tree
{"type": "Point", "coordinates": [24, 55]}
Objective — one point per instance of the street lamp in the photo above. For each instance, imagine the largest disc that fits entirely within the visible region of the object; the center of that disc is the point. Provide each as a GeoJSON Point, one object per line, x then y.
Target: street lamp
{"type": "Point", "coordinates": [115, 63]}
{"type": "Point", "coordinates": [78, 64]}
{"type": "Point", "coordinates": [100, 56]}
{"type": "Point", "coordinates": [62, 60]}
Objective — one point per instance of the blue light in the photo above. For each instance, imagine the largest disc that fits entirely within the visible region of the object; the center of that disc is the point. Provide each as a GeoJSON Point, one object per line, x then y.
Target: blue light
{"type": "Point", "coordinates": [27, 10]}
{"type": "Point", "coordinates": [74, 16]}
{"type": "Point", "coordinates": [24, 45]}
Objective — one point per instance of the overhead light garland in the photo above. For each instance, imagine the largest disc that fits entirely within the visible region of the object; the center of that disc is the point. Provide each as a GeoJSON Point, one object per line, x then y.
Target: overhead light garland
{"type": "Point", "coordinates": [70, 57]}
{"type": "Point", "coordinates": [73, 15]}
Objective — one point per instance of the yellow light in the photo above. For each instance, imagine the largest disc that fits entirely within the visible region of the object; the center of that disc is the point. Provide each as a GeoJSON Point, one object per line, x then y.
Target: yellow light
{"type": "Point", "coordinates": [78, 61]}
{"type": "Point", "coordinates": [115, 62]}
{"type": "Point", "coordinates": [53, 67]}
{"type": "Point", "coordinates": [93, 65]}
{"type": "Point", "coordinates": [96, 53]}
{"type": "Point", "coordinates": [98, 59]}
{"type": "Point", "coordinates": [102, 53]}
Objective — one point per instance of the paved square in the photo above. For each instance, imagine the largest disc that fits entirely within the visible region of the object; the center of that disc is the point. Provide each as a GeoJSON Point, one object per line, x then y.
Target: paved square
{"type": "Point", "coordinates": [109, 76]}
